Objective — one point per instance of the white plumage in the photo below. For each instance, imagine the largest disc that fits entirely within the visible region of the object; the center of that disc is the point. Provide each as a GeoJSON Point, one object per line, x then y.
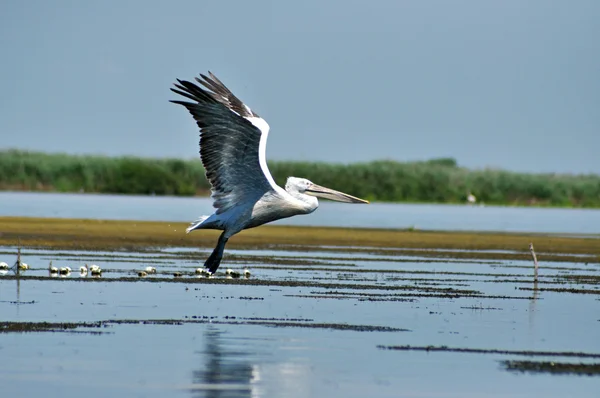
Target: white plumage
{"type": "Point", "coordinates": [233, 143]}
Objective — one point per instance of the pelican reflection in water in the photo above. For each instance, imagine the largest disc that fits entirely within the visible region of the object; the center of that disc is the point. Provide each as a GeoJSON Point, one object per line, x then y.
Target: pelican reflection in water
{"type": "Point", "coordinates": [233, 141]}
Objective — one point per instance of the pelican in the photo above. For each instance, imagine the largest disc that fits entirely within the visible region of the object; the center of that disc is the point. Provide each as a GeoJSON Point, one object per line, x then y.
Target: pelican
{"type": "Point", "coordinates": [233, 141]}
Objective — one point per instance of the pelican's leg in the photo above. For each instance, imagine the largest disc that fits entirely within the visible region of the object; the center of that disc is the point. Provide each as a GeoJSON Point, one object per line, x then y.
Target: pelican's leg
{"type": "Point", "coordinates": [213, 261]}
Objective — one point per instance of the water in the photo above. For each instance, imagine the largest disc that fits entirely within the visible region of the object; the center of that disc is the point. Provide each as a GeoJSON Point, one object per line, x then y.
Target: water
{"type": "Point", "coordinates": [376, 215]}
{"type": "Point", "coordinates": [294, 330]}
{"type": "Point", "coordinates": [309, 321]}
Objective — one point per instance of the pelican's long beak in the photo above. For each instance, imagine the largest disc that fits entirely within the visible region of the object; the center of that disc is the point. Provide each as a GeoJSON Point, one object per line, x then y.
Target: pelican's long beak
{"type": "Point", "coordinates": [327, 193]}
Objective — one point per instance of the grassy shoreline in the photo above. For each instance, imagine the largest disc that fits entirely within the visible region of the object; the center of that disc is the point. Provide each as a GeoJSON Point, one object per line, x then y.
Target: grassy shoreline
{"type": "Point", "coordinates": [434, 181]}
{"type": "Point", "coordinates": [93, 235]}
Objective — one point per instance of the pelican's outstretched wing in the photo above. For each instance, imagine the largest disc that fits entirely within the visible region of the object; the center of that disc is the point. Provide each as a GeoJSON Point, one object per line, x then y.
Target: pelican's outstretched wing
{"type": "Point", "coordinates": [233, 140]}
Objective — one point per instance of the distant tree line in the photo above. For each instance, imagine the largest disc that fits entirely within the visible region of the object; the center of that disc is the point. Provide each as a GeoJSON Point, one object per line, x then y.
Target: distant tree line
{"type": "Point", "coordinates": [433, 181]}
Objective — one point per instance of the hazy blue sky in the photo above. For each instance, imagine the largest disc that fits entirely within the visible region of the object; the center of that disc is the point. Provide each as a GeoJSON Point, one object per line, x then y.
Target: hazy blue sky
{"type": "Point", "coordinates": [512, 84]}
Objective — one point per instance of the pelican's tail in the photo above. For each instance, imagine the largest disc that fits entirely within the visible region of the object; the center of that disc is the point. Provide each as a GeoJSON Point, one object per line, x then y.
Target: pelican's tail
{"type": "Point", "coordinates": [213, 261]}
{"type": "Point", "coordinates": [196, 224]}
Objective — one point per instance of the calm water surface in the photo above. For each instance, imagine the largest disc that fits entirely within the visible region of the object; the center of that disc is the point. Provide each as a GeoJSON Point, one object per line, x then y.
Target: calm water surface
{"type": "Point", "coordinates": [375, 215]}
{"type": "Point", "coordinates": [308, 322]}
{"type": "Point", "coordinates": [259, 337]}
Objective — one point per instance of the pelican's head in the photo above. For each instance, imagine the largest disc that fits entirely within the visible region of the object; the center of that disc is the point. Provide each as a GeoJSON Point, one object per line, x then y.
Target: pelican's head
{"type": "Point", "coordinates": [306, 187]}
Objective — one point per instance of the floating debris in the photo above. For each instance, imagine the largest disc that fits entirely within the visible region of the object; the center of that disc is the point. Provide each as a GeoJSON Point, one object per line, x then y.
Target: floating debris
{"type": "Point", "coordinates": [177, 274]}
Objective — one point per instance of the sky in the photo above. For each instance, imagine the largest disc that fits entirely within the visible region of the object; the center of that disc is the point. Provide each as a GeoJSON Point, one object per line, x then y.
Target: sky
{"type": "Point", "coordinates": [506, 84]}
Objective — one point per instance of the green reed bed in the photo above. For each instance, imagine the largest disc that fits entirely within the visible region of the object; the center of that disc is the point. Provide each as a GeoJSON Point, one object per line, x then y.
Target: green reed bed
{"type": "Point", "coordinates": [434, 181]}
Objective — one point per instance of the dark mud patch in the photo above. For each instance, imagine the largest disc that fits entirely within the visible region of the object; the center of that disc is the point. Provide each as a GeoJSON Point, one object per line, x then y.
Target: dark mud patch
{"type": "Point", "coordinates": [474, 307]}
{"type": "Point", "coordinates": [554, 368]}
{"type": "Point", "coordinates": [229, 320]}
{"type": "Point", "coordinates": [581, 279]}
{"type": "Point", "coordinates": [331, 326]}
{"type": "Point", "coordinates": [18, 302]}
{"type": "Point", "coordinates": [400, 297]}
{"type": "Point", "coordinates": [351, 297]}
{"type": "Point", "coordinates": [74, 327]}
{"type": "Point", "coordinates": [260, 282]}
{"type": "Point", "coordinates": [51, 327]}
{"type": "Point", "coordinates": [563, 290]}
{"type": "Point", "coordinates": [491, 351]}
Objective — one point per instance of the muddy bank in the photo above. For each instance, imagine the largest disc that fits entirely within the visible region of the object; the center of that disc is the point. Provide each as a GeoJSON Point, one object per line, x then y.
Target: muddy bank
{"type": "Point", "coordinates": [79, 234]}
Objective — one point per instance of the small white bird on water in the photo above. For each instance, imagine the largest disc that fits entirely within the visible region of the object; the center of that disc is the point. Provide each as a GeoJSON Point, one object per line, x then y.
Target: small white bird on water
{"type": "Point", "coordinates": [202, 272]}
{"type": "Point", "coordinates": [233, 141]}
{"type": "Point", "coordinates": [150, 270]}
{"type": "Point", "coordinates": [52, 269]}
{"type": "Point", "coordinates": [64, 271]}
{"type": "Point", "coordinates": [3, 266]}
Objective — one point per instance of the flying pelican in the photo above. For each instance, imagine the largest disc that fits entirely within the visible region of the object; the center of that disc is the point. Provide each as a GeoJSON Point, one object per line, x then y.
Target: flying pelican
{"type": "Point", "coordinates": [233, 141]}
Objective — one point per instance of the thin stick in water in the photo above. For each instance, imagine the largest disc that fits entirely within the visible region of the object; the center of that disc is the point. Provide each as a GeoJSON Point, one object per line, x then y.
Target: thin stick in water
{"type": "Point", "coordinates": [535, 262]}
